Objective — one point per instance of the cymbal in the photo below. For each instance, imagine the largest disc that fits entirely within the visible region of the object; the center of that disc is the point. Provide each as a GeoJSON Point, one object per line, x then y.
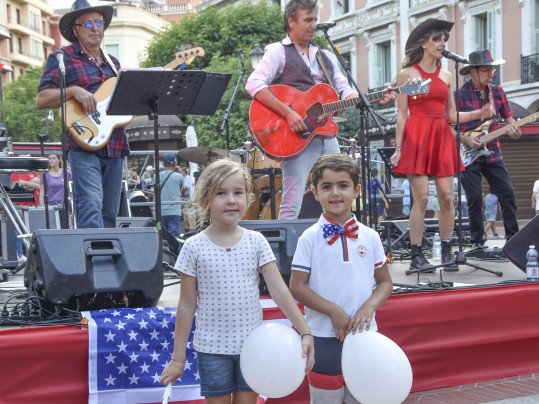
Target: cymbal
{"type": "Point", "coordinates": [202, 154]}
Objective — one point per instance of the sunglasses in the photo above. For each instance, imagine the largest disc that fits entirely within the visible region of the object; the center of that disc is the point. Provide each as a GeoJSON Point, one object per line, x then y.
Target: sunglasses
{"type": "Point", "coordinates": [90, 24]}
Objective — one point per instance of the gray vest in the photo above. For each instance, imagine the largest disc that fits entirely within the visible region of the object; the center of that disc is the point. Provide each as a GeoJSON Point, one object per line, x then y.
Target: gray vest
{"type": "Point", "coordinates": [296, 73]}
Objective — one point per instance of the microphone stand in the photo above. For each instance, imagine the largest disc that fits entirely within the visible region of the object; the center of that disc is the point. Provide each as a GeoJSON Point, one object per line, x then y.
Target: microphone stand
{"type": "Point", "coordinates": [226, 118]}
{"type": "Point", "coordinates": [64, 147]}
{"type": "Point", "coordinates": [460, 256]}
{"type": "Point", "coordinates": [364, 107]}
{"type": "Point", "coordinates": [42, 138]}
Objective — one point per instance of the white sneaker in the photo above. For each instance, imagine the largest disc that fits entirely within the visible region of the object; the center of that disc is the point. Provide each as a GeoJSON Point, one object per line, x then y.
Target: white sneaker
{"type": "Point", "coordinates": [21, 259]}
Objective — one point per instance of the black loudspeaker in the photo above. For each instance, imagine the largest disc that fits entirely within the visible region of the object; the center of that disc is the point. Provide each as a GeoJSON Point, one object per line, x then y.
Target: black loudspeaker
{"type": "Point", "coordinates": [91, 269]}
{"type": "Point", "coordinates": [282, 236]}
{"type": "Point", "coordinates": [516, 248]}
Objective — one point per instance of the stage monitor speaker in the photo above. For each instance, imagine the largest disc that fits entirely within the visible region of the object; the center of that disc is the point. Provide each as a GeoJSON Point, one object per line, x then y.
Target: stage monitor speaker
{"type": "Point", "coordinates": [516, 248]}
{"type": "Point", "coordinates": [282, 236]}
{"type": "Point", "coordinates": [91, 269]}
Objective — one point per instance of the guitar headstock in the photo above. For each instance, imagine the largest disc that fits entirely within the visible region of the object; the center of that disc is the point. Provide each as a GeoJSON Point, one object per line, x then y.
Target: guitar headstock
{"type": "Point", "coordinates": [416, 87]}
{"type": "Point", "coordinates": [189, 55]}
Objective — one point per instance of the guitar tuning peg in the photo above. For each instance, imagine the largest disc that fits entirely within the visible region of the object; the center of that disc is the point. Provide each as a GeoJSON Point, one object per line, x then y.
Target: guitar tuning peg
{"type": "Point", "coordinates": [182, 47]}
{"type": "Point", "coordinates": [188, 46]}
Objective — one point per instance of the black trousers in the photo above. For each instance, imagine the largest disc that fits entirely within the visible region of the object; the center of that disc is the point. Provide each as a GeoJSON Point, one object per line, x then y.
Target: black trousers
{"type": "Point", "coordinates": [500, 184]}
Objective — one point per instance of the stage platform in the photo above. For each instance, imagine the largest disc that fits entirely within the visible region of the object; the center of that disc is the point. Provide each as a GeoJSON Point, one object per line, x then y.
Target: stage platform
{"type": "Point", "coordinates": [481, 328]}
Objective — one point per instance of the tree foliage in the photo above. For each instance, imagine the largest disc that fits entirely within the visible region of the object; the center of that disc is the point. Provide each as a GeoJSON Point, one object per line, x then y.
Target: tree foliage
{"type": "Point", "coordinates": [221, 33]}
{"type": "Point", "coordinates": [22, 118]}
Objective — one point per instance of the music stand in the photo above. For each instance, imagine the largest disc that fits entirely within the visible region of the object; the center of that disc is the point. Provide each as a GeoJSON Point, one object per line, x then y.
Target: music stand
{"type": "Point", "coordinates": [165, 92]}
{"type": "Point", "coordinates": [386, 153]}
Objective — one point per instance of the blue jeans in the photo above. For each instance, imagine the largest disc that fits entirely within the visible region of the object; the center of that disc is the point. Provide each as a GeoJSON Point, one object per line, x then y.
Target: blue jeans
{"type": "Point", "coordinates": [97, 184]}
{"type": "Point", "coordinates": [172, 224]}
{"type": "Point", "coordinates": [498, 179]}
{"type": "Point", "coordinates": [296, 173]}
{"type": "Point", "coordinates": [220, 375]}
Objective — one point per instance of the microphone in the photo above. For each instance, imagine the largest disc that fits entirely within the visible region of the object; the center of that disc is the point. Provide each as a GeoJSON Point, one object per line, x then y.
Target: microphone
{"type": "Point", "coordinates": [452, 56]}
{"type": "Point", "coordinates": [60, 58]}
{"type": "Point", "coordinates": [323, 26]}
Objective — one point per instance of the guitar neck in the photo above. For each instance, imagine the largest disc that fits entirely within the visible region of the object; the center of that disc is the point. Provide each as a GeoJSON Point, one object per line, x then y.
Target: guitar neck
{"type": "Point", "coordinates": [498, 132]}
{"type": "Point", "coordinates": [352, 102]}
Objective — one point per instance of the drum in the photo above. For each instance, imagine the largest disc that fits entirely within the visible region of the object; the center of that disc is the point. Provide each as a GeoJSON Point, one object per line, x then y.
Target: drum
{"type": "Point", "coordinates": [140, 210]}
{"type": "Point", "coordinates": [256, 160]}
{"type": "Point", "coordinates": [310, 207]}
{"type": "Point", "coordinates": [253, 212]}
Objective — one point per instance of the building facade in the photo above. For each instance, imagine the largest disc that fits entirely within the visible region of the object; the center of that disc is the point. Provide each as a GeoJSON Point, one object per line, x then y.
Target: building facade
{"type": "Point", "coordinates": [24, 35]}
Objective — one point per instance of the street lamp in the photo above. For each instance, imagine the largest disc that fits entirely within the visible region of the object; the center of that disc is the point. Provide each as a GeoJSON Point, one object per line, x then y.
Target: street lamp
{"type": "Point", "coordinates": [49, 116]}
{"type": "Point", "coordinates": [256, 55]}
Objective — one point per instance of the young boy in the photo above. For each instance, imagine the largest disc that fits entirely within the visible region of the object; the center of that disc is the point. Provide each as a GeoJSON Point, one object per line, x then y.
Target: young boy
{"type": "Point", "coordinates": [337, 264]}
{"type": "Point", "coordinates": [491, 210]}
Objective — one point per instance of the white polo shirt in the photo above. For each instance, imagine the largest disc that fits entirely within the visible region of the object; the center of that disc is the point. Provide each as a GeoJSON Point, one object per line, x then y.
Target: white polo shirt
{"type": "Point", "coordinates": [342, 272]}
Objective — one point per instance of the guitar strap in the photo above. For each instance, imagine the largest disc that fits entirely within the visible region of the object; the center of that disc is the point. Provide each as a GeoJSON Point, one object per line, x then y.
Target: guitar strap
{"type": "Point", "coordinates": [111, 64]}
{"type": "Point", "coordinates": [323, 66]}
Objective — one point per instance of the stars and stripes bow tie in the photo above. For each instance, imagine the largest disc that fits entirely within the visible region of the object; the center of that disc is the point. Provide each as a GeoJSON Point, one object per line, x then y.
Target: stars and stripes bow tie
{"type": "Point", "coordinates": [331, 232]}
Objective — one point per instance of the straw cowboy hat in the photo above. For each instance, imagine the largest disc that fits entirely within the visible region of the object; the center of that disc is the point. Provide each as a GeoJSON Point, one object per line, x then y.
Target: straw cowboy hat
{"type": "Point", "coordinates": [480, 58]}
{"type": "Point", "coordinates": [426, 26]}
{"type": "Point", "coordinates": [78, 8]}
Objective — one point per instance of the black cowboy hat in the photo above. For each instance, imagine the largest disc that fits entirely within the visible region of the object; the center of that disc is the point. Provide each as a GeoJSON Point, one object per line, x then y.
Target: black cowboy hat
{"type": "Point", "coordinates": [78, 8]}
{"type": "Point", "coordinates": [426, 26]}
{"type": "Point", "coordinates": [480, 58]}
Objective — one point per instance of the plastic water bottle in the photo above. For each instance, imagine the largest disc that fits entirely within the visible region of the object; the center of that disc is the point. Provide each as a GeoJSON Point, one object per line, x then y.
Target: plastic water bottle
{"type": "Point", "coordinates": [532, 265]}
{"type": "Point", "coordinates": [437, 247]}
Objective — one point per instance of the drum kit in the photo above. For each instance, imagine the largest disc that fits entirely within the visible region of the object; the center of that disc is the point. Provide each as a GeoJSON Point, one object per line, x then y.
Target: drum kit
{"type": "Point", "coordinates": [267, 180]}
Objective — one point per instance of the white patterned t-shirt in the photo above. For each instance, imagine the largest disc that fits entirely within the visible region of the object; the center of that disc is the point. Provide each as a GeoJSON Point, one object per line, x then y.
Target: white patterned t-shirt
{"type": "Point", "coordinates": [228, 306]}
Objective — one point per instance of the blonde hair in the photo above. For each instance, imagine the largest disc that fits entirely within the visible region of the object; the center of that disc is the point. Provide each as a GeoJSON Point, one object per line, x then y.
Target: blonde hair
{"type": "Point", "coordinates": [211, 179]}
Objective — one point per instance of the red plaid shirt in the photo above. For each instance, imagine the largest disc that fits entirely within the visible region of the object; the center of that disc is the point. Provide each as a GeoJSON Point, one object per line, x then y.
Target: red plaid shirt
{"type": "Point", "coordinates": [83, 72]}
{"type": "Point", "coordinates": [470, 100]}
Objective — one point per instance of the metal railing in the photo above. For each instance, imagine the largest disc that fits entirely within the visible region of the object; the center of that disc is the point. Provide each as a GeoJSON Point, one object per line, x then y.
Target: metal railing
{"type": "Point", "coordinates": [529, 68]}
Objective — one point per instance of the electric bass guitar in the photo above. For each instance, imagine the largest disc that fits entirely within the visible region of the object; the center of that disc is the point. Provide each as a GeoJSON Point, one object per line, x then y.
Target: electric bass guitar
{"type": "Point", "coordinates": [316, 106]}
{"type": "Point", "coordinates": [93, 131]}
{"type": "Point", "coordinates": [469, 155]}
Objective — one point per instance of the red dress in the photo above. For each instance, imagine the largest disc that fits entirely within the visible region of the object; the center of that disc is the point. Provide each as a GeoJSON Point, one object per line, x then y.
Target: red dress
{"type": "Point", "coordinates": [428, 145]}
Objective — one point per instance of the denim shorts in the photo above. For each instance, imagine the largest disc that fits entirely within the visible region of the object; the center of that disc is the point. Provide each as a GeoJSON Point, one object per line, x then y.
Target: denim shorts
{"type": "Point", "coordinates": [490, 218]}
{"type": "Point", "coordinates": [220, 375]}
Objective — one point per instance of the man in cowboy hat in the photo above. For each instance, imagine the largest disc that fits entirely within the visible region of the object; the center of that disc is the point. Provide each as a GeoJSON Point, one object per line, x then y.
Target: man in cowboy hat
{"type": "Point", "coordinates": [473, 95]}
{"type": "Point", "coordinates": [97, 175]}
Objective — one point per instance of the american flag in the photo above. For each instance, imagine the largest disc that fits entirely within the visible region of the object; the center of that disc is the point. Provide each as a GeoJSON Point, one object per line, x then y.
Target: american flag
{"type": "Point", "coordinates": [129, 348]}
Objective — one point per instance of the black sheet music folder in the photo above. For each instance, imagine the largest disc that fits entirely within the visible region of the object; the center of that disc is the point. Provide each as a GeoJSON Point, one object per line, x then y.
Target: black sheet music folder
{"type": "Point", "coordinates": [173, 92]}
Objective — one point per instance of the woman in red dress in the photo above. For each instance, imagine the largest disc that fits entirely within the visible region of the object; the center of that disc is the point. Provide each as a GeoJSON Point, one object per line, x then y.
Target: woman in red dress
{"type": "Point", "coordinates": [425, 142]}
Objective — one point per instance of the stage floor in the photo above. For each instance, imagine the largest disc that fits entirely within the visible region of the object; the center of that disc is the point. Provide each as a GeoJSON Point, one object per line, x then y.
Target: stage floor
{"type": "Point", "coordinates": [466, 276]}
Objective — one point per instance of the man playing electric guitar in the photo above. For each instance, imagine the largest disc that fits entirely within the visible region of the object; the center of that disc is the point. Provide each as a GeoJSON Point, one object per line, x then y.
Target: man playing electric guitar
{"type": "Point", "coordinates": [97, 175]}
{"type": "Point", "coordinates": [473, 94]}
{"type": "Point", "coordinates": [298, 63]}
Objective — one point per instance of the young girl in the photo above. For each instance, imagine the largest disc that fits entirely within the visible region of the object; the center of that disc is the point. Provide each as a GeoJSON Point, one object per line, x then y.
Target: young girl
{"type": "Point", "coordinates": [425, 142]}
{"type": "Point", "coordinates": [220, 269]}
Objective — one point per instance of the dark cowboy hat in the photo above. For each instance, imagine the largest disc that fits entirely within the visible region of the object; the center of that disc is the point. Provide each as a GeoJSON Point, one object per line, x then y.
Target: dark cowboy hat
{"type": "Point", "coordinates": [426, 26]}
{"type": "Point", "coordinates": [480, 58]}
{"type": "Point", "coordinates": [78, 8]}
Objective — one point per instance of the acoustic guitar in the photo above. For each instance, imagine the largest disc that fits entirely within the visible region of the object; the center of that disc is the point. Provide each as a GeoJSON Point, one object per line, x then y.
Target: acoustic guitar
{"type": "Point", "coordinates": [316, 106]}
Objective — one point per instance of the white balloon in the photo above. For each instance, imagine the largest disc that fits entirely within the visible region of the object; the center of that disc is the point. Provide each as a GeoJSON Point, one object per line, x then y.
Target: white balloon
{"type": "Point", "coordinates": [271, 361]}
{"type": "Point", "coordinates": [375, 369]}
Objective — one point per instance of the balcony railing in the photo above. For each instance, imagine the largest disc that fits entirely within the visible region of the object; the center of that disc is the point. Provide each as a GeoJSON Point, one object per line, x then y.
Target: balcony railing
{"type": "Point", "coordinates": [529, 69]}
